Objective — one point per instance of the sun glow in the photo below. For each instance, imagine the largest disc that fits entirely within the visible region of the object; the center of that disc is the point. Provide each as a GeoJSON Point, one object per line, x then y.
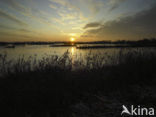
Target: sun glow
{"type": "Point", "coordinates": [72, 34]}
{"type": "Point", "coordinates": [72, 39]}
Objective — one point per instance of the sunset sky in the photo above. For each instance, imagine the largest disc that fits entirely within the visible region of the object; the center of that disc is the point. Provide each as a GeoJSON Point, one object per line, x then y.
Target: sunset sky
{"type": "Point", "coordinates": [82, 20]}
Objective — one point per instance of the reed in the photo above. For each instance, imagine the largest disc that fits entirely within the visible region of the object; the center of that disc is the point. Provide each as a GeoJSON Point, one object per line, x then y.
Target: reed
{"type": "Point", "coordinates": [52, 84]}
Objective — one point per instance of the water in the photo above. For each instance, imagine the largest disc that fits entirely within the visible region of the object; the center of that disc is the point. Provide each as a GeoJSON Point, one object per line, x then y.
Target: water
{"type": "Point", "coordinates": [41, 51]}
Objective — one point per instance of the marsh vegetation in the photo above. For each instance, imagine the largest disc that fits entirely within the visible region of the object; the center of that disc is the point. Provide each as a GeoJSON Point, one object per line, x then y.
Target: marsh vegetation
{"type": "Point", "coordinates": [95, 86]}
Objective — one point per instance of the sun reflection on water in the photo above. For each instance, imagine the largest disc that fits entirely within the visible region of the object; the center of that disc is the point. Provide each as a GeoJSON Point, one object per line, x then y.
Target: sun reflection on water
{"type": "Point", "coordinates": [72, 51]}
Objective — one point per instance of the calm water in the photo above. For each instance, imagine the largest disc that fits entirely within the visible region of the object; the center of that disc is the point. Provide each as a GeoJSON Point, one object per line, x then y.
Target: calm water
{"type": "Point", "coordinates": [41, 51]}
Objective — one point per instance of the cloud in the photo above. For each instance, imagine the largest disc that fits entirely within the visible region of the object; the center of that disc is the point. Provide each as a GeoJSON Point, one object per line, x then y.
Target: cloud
{"type": "Point", "coordinates": [95, 6]}
{"type": "Point", "coordinates": [8, 31]}
{"type": "Point", "coordinates": [61, 2]}
{"type": "Point", "coordinates": [70, 16]}
{"type": "Point", "coordinates": [25, 30]}
{"type": "Point", "coordinates": [92, 25]}
{"type": "Point", "coordinates": [15, 5]}
{"type": "Point", "coordinates": [115, 4]}
{"type": "Point", "coordinates": [12, 18]}
{"type": "Point", "coordinates": [12, 35]}
{"type": "Point", "coordinates": [30, 11]}
{"type": "Point", "coordinates": [138, 26]}
{"type": "Point", "coordinates": [6, 27]}
{"type": "Point", "coordinates": [64, 3]}
{"type": "Point", "coordinates": [53, 6]}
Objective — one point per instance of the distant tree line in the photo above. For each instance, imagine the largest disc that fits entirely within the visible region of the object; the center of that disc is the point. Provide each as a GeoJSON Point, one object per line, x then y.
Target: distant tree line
{"type": "Point", "coordinates": [145, 41]}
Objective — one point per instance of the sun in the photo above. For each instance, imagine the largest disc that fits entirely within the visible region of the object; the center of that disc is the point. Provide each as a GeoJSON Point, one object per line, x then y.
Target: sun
{"type": "Point", "coordinates": [72, 39]}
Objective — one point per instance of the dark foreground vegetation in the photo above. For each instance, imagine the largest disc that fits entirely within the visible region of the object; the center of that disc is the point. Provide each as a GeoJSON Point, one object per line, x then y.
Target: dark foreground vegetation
{"type": "Point", "coordinates": [95, 87]}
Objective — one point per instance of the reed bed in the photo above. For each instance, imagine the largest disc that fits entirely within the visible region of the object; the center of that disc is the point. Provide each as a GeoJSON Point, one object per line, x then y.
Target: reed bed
{"type": "Point", "coordinates": [50, 86]}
